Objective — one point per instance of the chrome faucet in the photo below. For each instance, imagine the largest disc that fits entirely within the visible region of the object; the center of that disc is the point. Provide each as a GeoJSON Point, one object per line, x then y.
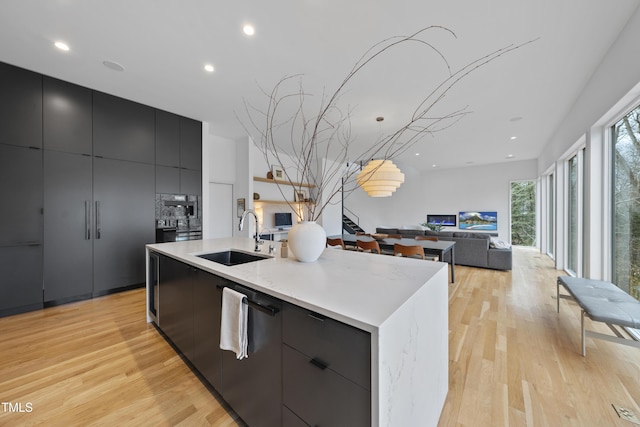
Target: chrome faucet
{"type": "Point", "coordinates": [241, 225]}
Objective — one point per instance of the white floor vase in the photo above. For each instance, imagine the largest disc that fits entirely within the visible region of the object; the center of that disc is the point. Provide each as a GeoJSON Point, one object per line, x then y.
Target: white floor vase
{"type": "Point", "coordinates": [307, 240]}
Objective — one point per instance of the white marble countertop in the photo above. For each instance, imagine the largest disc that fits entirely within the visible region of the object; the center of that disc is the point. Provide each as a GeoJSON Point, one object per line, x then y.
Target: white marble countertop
{"type": "Point", "coordinates": [360, 289]}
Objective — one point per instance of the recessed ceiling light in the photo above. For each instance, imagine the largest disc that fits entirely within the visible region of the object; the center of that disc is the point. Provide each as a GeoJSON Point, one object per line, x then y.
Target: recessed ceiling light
{"type": "Point", "coordinates": [61, 46]}
{"type": "Point", "coordinates": [209, 68]}
{"type": "Point", "coordinates": [249, 30]}
{"type": "Point", "coordinates": [510, 156]}
{"type": "Point", "coordinates": [433, 166]}
{"type": "Point", "coordinates": [417, 154]}
{"type": "Point", "coordinates": [113, 65]}
{"type": "Point", "coordinates": [514, 137]}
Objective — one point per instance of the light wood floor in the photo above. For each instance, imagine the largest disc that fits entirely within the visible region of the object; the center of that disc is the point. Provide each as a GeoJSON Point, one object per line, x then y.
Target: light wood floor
{"type": "Point", "coordinates": [513, 361]}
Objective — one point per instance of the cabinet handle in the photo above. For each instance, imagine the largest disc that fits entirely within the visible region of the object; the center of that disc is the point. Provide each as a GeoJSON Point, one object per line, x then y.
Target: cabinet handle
{"type": "Point", "coordinates": [87, 219]}
{"type": "Point", "coordinates": [97, 219]}
{"type": "Point", "coordinates": [318, 363]}
{"type": "Point", "coordinates": [316, 316]}
{"type": "Point", "coordinates": [267, 309]}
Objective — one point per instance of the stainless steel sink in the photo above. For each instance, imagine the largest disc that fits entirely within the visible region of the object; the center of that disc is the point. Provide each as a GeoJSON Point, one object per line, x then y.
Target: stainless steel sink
{"type": "Point", "coordinates": [231, 257]}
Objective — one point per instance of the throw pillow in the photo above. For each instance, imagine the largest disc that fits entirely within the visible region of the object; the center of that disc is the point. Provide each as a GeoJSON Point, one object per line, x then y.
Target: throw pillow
{"type": "Point", "coordinates": [498, 243]}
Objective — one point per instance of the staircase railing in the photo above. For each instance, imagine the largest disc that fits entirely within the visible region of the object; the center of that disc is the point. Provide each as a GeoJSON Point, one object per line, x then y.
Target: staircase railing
{"type": "Point", "coordinates": [357, 221]}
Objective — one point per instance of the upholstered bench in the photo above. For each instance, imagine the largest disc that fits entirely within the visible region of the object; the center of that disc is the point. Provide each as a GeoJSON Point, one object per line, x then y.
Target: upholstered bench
{"type": "Point", "coordinates": [603, 302]}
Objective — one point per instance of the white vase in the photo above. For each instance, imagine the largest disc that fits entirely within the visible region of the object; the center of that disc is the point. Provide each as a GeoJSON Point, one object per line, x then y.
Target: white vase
{"type": "Point", "coordinates": [307, 240]}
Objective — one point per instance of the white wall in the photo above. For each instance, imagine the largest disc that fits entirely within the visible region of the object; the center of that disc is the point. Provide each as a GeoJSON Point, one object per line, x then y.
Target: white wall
{"type": "Point", "coordinates": [225, 161]}
{"type": "Point", "coordinates": [218, 166]}
{"type": "Point", "coordinates": [616, 76]}
{"type": "Point", "coordinates": [448, 191]}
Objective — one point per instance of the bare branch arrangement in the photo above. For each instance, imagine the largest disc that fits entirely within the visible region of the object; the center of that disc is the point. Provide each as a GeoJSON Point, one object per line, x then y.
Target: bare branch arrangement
{"type": "Point", "coordinates": [327, 133]}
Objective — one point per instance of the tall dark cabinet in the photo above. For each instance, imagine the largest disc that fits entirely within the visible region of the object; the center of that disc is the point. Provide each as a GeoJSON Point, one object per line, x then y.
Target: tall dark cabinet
{"type": "Point", "coordinates": [20, 229]}
{"type": "Point", "coordinates": [178, 166]}
{"type": "Point", "coordinates": [79, 169]}
{"type": "Point", "coordinates": [68, 231]}
{"type": "Point", "coordinates": [21, 107]}
{"type": "Point", "coordinates": [22, 190]}
{"type": "Point", "coordinates": [124, 200]}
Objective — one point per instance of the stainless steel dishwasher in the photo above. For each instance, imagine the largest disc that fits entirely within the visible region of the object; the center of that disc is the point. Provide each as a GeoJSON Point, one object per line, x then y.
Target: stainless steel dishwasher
{"type": "Point", "coordinates": [253, 386]}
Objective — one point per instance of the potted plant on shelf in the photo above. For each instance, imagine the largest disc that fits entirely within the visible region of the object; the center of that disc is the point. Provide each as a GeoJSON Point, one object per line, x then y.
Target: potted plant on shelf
{"type": "Point", "coordinates": [287, 129]}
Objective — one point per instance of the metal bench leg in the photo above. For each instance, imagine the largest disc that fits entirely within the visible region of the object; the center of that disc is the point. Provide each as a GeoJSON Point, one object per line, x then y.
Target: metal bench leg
{"type": "Point", "coordinates": [558, 296]}
{"type": "Point", "coordinates": [584, 345]}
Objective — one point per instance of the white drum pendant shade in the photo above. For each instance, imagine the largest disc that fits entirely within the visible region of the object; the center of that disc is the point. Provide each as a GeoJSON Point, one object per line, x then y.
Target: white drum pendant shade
{"type": "Point", "coordinates": [380, 178]}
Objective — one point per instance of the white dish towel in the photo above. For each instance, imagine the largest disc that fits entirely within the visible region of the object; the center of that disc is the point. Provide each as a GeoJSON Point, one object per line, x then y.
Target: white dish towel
{"type": "Point", "coordinates": [233, 323]}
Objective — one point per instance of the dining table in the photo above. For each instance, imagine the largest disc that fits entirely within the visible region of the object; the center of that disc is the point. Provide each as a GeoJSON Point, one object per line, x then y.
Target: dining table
{"type": "Point", "coordinates": [440, 248]}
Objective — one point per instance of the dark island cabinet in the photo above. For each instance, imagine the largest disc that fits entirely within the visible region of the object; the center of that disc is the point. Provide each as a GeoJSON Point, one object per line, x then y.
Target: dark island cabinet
{"type": "Point", "coordinates": [21, 107]}
{"type": "Point", "coordinates": [252, 386]}
{"type": "Point", "coordinates": [327, 380]}
{"type": "Point", "coordinates": [175, 296]}
{"type": "Point", "coordinates": [190, 301]}
{"type": "Point", "coordinates": [123, 129]}
{"type": "Point", "coordinates": [189, 312]}
{"type": "Point", "coordinates": [67, 116]}
{"type": "Point", "coordinates": [303, 369]}
{"type": "Point", "coordinates": [207, 304]}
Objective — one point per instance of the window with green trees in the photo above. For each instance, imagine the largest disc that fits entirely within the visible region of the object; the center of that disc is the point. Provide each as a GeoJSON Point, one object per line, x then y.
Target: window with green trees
{"type": "Point", "coordinates": [626, 203]}
{"type": "Point", "coordinates": [523, 213]}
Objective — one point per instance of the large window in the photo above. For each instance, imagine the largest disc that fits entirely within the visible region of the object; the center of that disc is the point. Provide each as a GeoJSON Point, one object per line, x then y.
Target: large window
{"type": "Point", "coordinates": [523, 213]}
{"type": "Point", "coordinates": [550, 216]}
{"type": "Point", "coordinates": [574, 222]}
{"type": "Point", "coordinates": [626, 203]}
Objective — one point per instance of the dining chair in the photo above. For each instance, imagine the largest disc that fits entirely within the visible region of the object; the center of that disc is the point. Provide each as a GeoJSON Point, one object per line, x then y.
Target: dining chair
{"type": "Point", "coordinates": [335, 242]}
{"type": "Point", "coordinates": [408, 250]}
{"type": "Point", "coordinates": [432, 238]}
{"type": "Point", "coordinates": [372, 246]}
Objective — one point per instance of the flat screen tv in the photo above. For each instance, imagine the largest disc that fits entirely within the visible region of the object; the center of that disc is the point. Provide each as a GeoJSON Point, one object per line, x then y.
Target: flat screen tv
{"type": "Point", "coordinates": [283, 220]}
{"type": "Point", "coordinates": [444, 220]}
{"type": "Point", "coordinates": [474, 220]}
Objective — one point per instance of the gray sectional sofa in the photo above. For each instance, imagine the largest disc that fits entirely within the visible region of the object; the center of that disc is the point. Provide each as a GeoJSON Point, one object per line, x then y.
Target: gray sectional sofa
{"type": "Point", "coordinates": [472, 249]}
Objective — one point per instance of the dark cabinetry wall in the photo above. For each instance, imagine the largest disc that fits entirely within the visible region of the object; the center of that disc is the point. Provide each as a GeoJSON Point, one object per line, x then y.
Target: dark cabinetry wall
{"type": "Point", "coordinates": [67, 116]}
{"type": "Point", "coordinates": [113, 192]}
{"type": "Point", "coordinates": [123, 129]}
{"type": "Point", "coordinates": [190, 144]}
{"type": "Point", "coordinates": [21, 107]}
{"type": "Point", "coordinates": [167, 139]}
{"type": "Point", "coordinates": [124, 200]}
{"type": "Point", "coordinates": [20, 229]}
{"type": "Point", "coordinates": [178, 154]}
{"type": "Point", "coordinates": [68, 231]}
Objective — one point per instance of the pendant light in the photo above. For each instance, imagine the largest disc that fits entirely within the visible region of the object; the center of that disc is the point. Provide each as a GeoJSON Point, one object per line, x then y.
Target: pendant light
{"type": "Point", "coordinates": [380, 178]}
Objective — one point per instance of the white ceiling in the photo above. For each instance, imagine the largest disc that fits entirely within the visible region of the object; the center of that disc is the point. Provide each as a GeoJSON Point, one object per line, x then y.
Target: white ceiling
{"type": "Point", "coordinates": [164, 44]}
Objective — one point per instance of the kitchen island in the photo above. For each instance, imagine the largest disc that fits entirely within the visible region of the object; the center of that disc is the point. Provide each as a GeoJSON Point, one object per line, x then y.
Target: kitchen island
{"type": "Point", "coordinates": [399, 305]}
